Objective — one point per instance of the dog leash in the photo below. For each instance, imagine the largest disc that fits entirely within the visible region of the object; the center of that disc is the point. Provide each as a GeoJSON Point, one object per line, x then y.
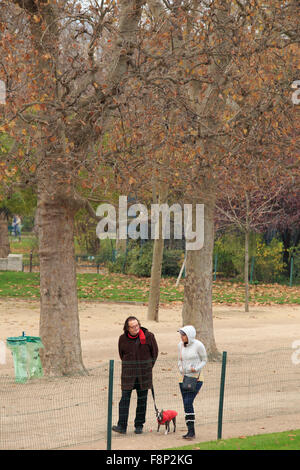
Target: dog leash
{"type": "Point", "coordinates": [156, 409]}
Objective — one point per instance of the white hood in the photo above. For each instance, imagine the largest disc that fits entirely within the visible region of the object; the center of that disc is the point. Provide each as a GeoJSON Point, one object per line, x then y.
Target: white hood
{"type": "Point", "coordinates": [190, 332]}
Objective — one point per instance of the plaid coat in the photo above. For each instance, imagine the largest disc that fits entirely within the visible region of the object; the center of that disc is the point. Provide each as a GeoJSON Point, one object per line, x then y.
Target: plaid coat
{"type": "Point", "coordinates": [137, 360]}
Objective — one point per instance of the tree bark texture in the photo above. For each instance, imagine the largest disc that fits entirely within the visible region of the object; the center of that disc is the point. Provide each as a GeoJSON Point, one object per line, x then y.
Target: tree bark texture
{"type": "Point", "coordinates": [4, 239]}
{"type": "Point", "coordinates": [246, 274]}
{"type": "Point", "coordinates": [59, 319]}
{"type": "Point", "coordinates": [246, 271]}
{"type": "Point", "coordinates": [157, 259]}
{"type": "Point", "coordinates": [197, 307]}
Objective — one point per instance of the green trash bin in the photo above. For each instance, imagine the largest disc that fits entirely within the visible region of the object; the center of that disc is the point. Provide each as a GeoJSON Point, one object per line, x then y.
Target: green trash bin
{"type": "Point", "coordinates": [34, 364]}
{"type": "Point", "coordinates": [18, 347]}
{"type": "Point", "coordinates": [26, 357]}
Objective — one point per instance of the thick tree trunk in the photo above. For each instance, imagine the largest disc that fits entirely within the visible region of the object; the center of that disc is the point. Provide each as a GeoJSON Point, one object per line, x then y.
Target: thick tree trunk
{"type": "Point", "coordinates": [4, 239]}
{"type": "Point", "coordinates": [197, 307]}
{"type": "Point", "coordinates": [59, 319]}
{"type": "Point", "coordinates": [59, 322]}
{"type": "Point", "coordinates": [56, 175]}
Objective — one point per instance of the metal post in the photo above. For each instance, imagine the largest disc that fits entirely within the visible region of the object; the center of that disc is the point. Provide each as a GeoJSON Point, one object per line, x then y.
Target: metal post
{"type": "Point", "coordinates": [216, 264]}
{"type": "Point", "coordinates": [252, 269]}
{"type": "Point", "coordinates": [109, 406]}
{"type": "Point", "coordinates": [291, 271]}
{"type": "Point", "coordinates": [221, 399]}
{"type": "Point", "coordinates": [181, 273]}
{"type": "Point", "coordinates": [30, 262]}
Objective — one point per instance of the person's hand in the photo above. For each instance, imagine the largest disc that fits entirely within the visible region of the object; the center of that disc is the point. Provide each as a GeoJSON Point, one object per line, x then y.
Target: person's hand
{"type": "Point", "coordinates": [192, 369]}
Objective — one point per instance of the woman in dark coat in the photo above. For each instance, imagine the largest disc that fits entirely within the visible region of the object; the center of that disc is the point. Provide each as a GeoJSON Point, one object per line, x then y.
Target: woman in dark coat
{"type": "Point", "coordinates": [138, 351]}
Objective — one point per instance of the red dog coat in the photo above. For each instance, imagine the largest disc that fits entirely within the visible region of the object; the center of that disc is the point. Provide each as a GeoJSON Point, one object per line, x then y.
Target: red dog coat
{"type": "Point", "coordinates": [168, 415]}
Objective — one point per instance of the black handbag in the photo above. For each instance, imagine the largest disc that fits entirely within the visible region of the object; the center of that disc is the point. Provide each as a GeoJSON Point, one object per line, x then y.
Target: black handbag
{"type": "Point", "coordinates": [189, 384]}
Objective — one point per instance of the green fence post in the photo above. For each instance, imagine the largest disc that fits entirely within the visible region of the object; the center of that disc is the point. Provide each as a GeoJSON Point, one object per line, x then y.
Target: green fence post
{"type": "Point", "coordinates": [221, 399]}
{"type": "Point", "coordinates": [252, 269]}
{"type": "Point", "coordinates": [215, 268]}
{"type": "Point", "coordinates": [30, 261]}
{"type": "Point", "coordinates": [291, 271]}
{"type": "Point", "coordinates": [109, 405]}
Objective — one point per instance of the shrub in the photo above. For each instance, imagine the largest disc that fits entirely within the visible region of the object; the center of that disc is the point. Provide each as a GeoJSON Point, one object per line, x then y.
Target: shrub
{"type": "Point", "coordinates": [230, 249]}
{"type": "Point", "coordinates": [268, 261]}
{"type": "Point", "coordinates": [105, 253]}
{"type": "Point", "coordinates": [119, 265]}
{"type": "Point", "coordinates": [138, 261]}
{"type": "Point", "coordinates": [172, 260]}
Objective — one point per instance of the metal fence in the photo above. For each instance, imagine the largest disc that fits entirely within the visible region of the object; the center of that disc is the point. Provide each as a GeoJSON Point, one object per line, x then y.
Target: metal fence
{"type": "Point", "coordinates": [51, 413]}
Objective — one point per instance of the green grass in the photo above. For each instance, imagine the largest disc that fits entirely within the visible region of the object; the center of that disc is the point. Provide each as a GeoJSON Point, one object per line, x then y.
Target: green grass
{"type": "Point", "coordinates": [19, 284]}
{"type": "Point", "coordinates": [120, 287]}
{"type": "Point", "coordinates": [24, 246]}
{"type": "Point", "coordinates": [288, 440]}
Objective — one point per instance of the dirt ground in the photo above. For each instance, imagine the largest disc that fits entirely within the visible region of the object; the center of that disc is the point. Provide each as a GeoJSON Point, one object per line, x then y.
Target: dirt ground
{"type": "Point", "coordinates": [262, 329]}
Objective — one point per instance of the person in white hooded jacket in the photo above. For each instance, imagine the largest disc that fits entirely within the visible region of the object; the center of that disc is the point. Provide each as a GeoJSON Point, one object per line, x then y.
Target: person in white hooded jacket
{"type": "Point", "coordinates": [192, 358]}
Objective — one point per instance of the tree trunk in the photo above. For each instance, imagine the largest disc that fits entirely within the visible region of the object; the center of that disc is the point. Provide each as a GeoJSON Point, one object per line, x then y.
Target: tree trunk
{"type": "Point", "coordinates": [197, 307]}
{"type": "Point", "coordinates": [154, 294]}
{"type": "Point", "coordinates": [157, 259]}
{"type": "Point", "coordinates": [56, 176]}
{"type": "Point", "coordinates": [246, 273]}
{"type": "Point", "coordinates": [246, 279]}
{"type": "Point", "coordinates": [4, 239]}
{"type": "Point", "coordinates": [59, 319]}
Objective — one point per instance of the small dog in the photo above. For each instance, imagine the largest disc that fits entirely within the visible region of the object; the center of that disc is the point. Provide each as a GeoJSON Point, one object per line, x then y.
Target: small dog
{"type": "Point", "coordinates": [165, 417]}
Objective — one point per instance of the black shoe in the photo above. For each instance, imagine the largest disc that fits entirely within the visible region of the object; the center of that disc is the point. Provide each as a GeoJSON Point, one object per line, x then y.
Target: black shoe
{"type": "Point", "coordinates": [190, 435]}
{"type": "Point", "coordinates": [119, 429]}
{"type": "Point", "coordinates": [191, 432]}
{"type": "Point", "coordinates": [138, 430]}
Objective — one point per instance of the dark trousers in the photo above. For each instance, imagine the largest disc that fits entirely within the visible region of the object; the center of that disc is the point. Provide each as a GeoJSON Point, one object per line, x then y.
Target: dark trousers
{"type": "Point", "coordinates": [188, 402]}
{"type": "Point", "coordinates": [140, 414]}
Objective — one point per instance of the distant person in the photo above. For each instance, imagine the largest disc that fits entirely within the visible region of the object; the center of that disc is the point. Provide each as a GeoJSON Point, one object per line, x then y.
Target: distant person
{"type": "Point", "coordinates": [138, 351]}
{"type": "Point", "coordinates": [192, 358]}
{"type": "Point", "coordinates": [13, 224]}
{"type": "Point", "coordinates": [18, 227]}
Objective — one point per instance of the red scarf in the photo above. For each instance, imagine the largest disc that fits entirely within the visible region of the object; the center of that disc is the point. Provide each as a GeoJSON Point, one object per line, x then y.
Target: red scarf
{"type": "Point", "coordinates": [141, 336]}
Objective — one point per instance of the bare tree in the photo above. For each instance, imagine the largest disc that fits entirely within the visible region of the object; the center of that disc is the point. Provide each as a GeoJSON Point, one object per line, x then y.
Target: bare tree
{"type": "Point", "coordinates": [204, 74]}
{"type": "Point", "coordinates": [65, 106]}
